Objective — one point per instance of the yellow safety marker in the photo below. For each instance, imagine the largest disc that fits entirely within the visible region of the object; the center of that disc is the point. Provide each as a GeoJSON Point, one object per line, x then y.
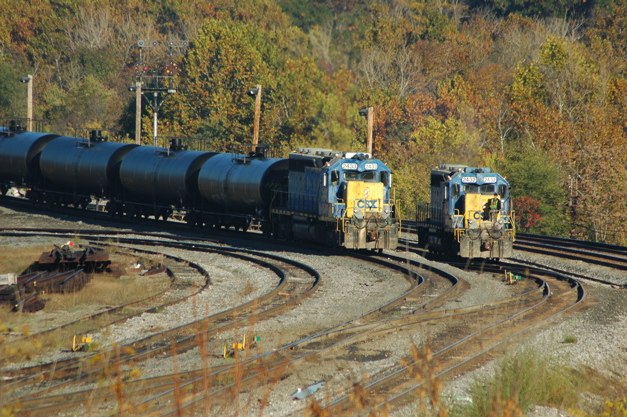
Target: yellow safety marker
{"type": "Point", "coordinates": [85, 341]}
{"type": "Point", "coordinates": [511, 278]}
{"type": "Point", "coordinates": [239, 346]}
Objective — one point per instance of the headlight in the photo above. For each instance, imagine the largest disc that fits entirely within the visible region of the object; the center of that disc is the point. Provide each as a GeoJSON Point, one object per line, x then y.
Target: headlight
{"type": "Point", "coordinates": [358, 213]}
{"type": "Point", "coordinates": [472, 224]}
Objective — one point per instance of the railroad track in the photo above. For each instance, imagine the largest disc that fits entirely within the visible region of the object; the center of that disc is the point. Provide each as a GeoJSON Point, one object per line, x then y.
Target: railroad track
{"type": "Point", "coordinates": [485, 328]}
{"type": "Point", "coordinates": [460, 338]}
{"type": "Point", "coordinates": [593, 253]}
{"type": "Point", "coordinates": [295, 279]}
{"type": "Point", "coordinates": [491, 324]}
{"type": "Point", "coordinates": [44, 403]}
{"type": "Point", "coordinates": [257, 372]}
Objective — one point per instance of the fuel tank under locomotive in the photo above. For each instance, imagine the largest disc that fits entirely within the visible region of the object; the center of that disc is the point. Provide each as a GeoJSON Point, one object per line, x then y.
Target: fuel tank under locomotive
{"type": "Point", "coordinates": [76, 166]}
{"type": "Point", "coordinates": [19, 158]}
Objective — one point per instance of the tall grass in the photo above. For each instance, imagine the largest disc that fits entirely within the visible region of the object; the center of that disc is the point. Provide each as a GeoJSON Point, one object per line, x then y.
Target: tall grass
{"type": "Point", "coordinates": [525, 379]}
{"type": "Point", "coordinates": [17, 261]}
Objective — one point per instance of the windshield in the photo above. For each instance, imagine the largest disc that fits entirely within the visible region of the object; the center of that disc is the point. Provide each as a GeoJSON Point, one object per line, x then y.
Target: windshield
{"type": "Point", "coordinates": [363, 176]}
{"type": "Point", "coordinates": [480, 189]}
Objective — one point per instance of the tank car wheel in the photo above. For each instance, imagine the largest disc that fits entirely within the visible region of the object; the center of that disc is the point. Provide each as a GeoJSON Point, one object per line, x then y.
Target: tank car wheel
{"type": "Point", "coordinates": [192, 220]}
{"type": "Point", "coordinates": [422, 238]}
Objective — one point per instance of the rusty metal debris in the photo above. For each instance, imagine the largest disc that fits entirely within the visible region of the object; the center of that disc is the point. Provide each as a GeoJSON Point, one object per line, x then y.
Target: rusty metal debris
{"type": "Point", "coordinates": [152, 271]}
{"type": "Point", "coordinates": [30, 304]}
{"type": "Point", "coordinates": [68, 256]}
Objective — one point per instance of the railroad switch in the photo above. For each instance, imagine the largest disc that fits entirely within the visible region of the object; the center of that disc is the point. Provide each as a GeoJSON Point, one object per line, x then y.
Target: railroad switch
{"type": "Point", "coordinates": [83, 345]}
{"type": "Point", "coordinates": [512, 278]}
{"type": "Point", "coordinates": [240, 346]}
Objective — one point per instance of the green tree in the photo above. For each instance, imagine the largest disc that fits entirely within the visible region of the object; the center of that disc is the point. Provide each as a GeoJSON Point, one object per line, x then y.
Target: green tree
{"type": "Point", "coordinates": [553, 8]}
{"type": "Point", "coordinates": [13, 93]}
{"type": "Point", "coordinates": [223, 62]}
{"type": "Point", "coordinates": [534, 177]}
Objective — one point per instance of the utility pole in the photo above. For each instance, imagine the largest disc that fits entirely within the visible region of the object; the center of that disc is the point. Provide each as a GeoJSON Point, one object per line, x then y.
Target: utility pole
{"type": "Point", "coordinates": [29, 100]}
{"type": "Point", "coordinates": [155, 111]}
{"type": "Point", "coordinates": [138, 112]}
{"type": "Point", "coordinates": [256, 92]}
{"type": "Point", "coordinates": [369, 113]}
{"type": "Point", "coordinates": [156, 84]}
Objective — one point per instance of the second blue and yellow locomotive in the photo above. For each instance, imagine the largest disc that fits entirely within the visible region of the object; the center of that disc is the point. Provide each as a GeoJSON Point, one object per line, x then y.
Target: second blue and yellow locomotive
{"type": "Point", "coordinates": [470, 213]}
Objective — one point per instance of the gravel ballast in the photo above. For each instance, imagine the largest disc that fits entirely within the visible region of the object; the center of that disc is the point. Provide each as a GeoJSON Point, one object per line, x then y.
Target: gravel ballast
{"type": "Point", "coordinates": [348, 290]}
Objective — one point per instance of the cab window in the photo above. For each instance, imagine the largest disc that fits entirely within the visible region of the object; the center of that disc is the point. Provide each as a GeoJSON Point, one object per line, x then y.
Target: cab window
{"type": "Point", "coordinates": [471, 188]}
{"type": "Point", "coordinates": [369, 176]}
{"type": "Point", "coordinates": [503, 190]}
{"type": "Point", "coordinates": [455, 191]}
{"type": "Point", "coordinates": [351, 175]}
{"type": "Point", "coordinates": [335, 177]}
{"type": "Point", "coordinates": [487, 189]}
{"type": "Point", "coordinates": [385, 178]}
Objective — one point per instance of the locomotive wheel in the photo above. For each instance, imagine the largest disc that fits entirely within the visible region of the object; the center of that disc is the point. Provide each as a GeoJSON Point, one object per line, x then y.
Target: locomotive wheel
{"type": "Point", "coordinates": [266, 228]}
{"type": "Point", "coordinates": [283, 228]}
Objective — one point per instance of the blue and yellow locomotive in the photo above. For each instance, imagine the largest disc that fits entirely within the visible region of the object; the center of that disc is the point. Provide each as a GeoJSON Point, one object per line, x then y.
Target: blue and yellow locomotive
{"type": "Point", "coordinates": [470, 214]}
{"type": "Point", "coordinates": [339, 199]}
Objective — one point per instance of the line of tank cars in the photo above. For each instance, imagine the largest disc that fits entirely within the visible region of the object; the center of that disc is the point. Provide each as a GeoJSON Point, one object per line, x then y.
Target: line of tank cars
{"type": "Point", "coordinates": [337, 199]}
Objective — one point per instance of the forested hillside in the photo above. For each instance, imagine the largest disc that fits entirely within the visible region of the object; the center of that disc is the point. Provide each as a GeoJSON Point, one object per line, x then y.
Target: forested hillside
{"type": "Point", "coordinates": [535, 90]}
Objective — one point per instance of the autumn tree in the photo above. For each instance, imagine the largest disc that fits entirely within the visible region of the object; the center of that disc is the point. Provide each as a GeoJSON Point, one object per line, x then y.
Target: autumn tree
{"type": "Point", "coordinates": [538, 195]}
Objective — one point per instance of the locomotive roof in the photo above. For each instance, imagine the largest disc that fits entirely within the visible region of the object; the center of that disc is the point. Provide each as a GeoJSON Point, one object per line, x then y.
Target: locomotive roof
{"type": "Point", "coordinates": [451, 168]}
{"type": "Point", "coordinates": [318, 157]}
{"type": "Point", "coordinates": [326, 153]}
{"type": "Point", "coordinates": [315, 152]}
